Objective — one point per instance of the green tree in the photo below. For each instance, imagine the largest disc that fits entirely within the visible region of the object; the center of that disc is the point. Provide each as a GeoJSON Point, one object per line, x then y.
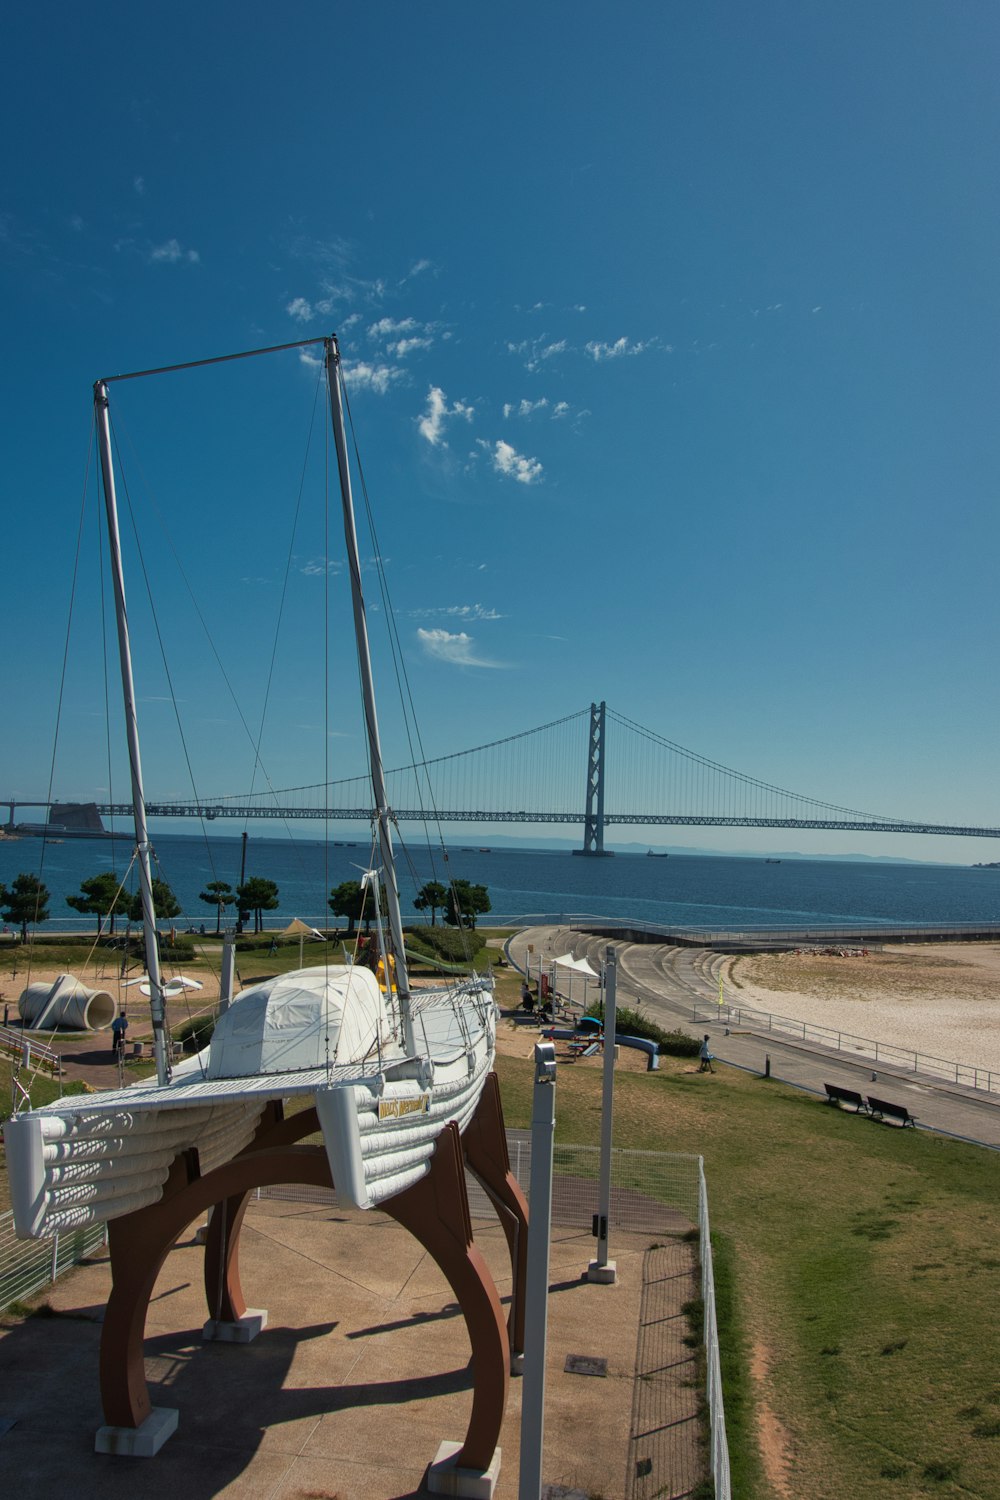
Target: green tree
{"type": "Point", "coordinates": [165, 903]}
{"type": "Point", "coordinates": [220, 894]}
{"type": "Point", "coordinates": [26, 901]}
{"type": "Point", "coordinates": [465, 902]}
{"type": "Point", "coordinates": [257, 895]}
{"type": "Point", "coordinates": [347, 900]}
{"type": "Point", "coordinates": [433, 895]}
{"type": "Point", "coordinates": [101, 896]}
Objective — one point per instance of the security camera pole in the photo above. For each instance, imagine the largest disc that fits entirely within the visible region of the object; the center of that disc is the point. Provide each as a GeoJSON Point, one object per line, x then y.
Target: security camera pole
{"type": "Point", "coordinates": [602, 1269]}
{"type": "Point", "coordinates": [536, 1290]}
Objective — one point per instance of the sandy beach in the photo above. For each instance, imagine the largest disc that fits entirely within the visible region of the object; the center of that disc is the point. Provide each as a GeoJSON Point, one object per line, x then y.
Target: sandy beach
{"type": "Point", "coordinates": [941, 999]}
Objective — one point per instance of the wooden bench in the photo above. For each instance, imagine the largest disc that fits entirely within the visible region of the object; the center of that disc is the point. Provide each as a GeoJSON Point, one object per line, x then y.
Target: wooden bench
{"type": "Point", "coordinates": [879, 1108]}
{"type": "Point", "coordinates": [836, 1095]}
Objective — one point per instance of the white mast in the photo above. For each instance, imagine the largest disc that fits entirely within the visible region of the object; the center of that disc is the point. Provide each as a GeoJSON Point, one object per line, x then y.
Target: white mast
{"type": "Point", "coordinates": [368, 698]}
{"type": "Point", "coordinates": [156, 1002]}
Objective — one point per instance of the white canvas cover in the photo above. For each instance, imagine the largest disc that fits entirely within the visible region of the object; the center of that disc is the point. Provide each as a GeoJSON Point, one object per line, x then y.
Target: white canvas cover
{"type": "Point", "coordinates": [299, 1020]}
{"type": "Point", "coordinates": [580, 965]}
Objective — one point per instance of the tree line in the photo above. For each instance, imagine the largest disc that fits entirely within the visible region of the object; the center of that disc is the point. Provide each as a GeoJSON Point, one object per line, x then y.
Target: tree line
{"type": "Point", "coordinates": [27, 901]}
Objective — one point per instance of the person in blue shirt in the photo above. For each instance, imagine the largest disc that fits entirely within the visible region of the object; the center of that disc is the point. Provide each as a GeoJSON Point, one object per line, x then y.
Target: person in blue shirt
{"type": "Point", "coordinates": [119, 1026]}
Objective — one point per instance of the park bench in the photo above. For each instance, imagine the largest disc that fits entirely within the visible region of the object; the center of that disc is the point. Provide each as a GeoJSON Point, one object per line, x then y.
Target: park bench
{"type": "Point", "coordinates": [879, 1108]}
{"type": "Point", "coordinates": [836, 1095]}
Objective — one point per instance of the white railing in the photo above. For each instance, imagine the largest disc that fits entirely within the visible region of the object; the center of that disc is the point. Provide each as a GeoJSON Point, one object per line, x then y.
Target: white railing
{"type": "Point", "coordinates": [22, 1044]}
{"type": "Point", "coordinates": [886, 1053]}
{"type": "Point", "coordinates": [718, 1445]}
{"type": "Point", "coordinates": [28, 1265]}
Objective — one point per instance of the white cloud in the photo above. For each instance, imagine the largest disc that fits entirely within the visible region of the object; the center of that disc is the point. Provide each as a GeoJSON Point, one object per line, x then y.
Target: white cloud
{"type": "Point", "coordinates": [300, 310]}
{"type": "Point", "coordinates": [171, 251]}
{"type": "Point", "coordinates": [431, 424]}
{"type": "Point", "coordinates": [620, 347]}
{"type": "Point", "coordinates": [317, 566]}
{"type": "Point", "coordinates": [362, 376]}
{"type": "Point", "coordinates": [561, 409]}
{"type": "Point", "coordinates": [402, 347]}
{"type": "Point", "coordinates": [310, 359]}
{"type": "Point", "coordinates": [535, 351]}
{"type": "Point", "coordinates": [459, 612]}
{"type": "Point", "coordinates": [387, 327]}
{"type": "Point", "coordinates": [417, 269]}
{"type": "Point", "coordinates": [459, 650]}
{"type": "Point", "coordinates": [139, 183]}
{"type": "Point", "coordinates": [507, 460]}
{"type": "Point", "coordinates": [524, 407]}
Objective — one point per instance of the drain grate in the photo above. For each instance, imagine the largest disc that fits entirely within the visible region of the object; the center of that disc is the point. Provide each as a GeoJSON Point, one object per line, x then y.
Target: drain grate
{"type": "Point", "coordinates": [585, 1364]}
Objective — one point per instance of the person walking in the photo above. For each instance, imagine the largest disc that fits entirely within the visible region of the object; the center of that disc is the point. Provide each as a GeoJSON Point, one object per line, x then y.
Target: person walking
{"type": "Point", "coordinates": [706, 1056]}
{"type": "Point", "coordinates": [119, 1026]}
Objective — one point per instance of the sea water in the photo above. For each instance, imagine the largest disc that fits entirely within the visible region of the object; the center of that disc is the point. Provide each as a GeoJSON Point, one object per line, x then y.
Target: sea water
{"type": "Point", "coordinates": [704, 891]}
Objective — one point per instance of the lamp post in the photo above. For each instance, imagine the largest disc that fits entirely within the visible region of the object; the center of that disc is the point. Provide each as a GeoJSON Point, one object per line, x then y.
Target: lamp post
{"type": "Point", "coordinates": [536, 1289]}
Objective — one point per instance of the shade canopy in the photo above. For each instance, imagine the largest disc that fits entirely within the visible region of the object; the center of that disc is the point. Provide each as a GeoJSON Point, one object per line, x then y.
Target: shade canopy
{"type": "Point", "coordinates": [298, 928]}
{"type": "Point", "coordinates": [578, 965]}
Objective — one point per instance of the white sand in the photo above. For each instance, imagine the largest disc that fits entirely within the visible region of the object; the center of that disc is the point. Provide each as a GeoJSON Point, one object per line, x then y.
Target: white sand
{"type": "Point", "coordinates": [941, 1000]}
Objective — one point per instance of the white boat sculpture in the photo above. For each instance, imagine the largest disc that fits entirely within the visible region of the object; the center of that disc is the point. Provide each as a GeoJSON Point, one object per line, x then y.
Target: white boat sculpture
{"type": "Point", "coordinates": [388, 1069]}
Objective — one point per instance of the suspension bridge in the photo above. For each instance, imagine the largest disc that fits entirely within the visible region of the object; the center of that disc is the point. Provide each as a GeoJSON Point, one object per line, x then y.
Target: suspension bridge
{"type": "Point", "coordinates": [628, 776]}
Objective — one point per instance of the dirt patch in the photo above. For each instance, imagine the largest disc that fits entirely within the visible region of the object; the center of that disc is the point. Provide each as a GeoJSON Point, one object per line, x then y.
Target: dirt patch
{"type": "Point", "coordinates": [776, 1448]}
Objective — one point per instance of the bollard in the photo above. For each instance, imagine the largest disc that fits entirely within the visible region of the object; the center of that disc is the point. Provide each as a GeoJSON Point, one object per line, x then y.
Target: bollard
{"type": "Point", "coordinates": [767, 1064]}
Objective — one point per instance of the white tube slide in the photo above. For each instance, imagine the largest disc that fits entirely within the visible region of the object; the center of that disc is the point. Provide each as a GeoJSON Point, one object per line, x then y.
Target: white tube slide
{"type": "Point", "coordinates": [67, 1004]}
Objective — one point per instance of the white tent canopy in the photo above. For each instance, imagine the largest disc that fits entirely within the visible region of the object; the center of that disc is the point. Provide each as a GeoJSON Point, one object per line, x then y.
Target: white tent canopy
{"type": "Point", "coordinates": [578, 965]}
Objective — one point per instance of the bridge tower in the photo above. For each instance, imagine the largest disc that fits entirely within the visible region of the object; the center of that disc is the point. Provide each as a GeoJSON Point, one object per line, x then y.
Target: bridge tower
{"type": "Point", "coordinates": [593, 823]}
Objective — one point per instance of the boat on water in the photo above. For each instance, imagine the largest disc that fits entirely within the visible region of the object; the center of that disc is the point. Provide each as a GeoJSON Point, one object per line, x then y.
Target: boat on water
{"type": "Point", "coordinates": [388, 1067]}
{"type": "Point", "coordinates": [652, 854]}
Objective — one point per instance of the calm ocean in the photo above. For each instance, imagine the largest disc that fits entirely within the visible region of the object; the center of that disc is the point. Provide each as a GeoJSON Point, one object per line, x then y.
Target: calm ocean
{"type": "Point", "coordinates": [690, 890]}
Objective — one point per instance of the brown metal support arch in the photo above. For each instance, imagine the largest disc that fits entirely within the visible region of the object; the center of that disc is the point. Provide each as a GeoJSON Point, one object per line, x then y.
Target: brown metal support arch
{"type": "Point", "coordinates": [435, 1210]}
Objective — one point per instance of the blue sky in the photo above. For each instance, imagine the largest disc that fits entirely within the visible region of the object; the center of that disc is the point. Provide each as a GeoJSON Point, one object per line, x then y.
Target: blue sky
{"type": "Point", "coordinates": [671, 335]}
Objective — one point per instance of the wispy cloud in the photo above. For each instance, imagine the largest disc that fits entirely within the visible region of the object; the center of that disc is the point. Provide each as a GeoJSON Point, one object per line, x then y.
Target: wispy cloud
{"type": "Point", "coordinates": [459, 649]}
{"type": "Point", "coordinates": [524, 408]}
{"type": "Point", "coordinates": [139, 184]}
{"type": "Point", "coordinates": [432, 424]}
{"type": "Point", "coordinates": [535, 352]}
{"type": "Point", "coordinates": [391, 327]}
{"type": "Point", "coordinates": [507, 460]}
{"type": "Point", "coordinates": [362, 376]}
{"type": "Point", "coordinates": [300, 310]}
{"type": "Point", "coordinates": [618, 349]}
{"type": "Point", "coordinates": [402, 347]}
{"type": "Point", "coordinates": [458, 612]}
{"type": "Point", "coordinates": [171, 252]}
{"type": "Point", "coordinates": [560, 410]}
{"type": "Point", "coordinates": [316, 567]}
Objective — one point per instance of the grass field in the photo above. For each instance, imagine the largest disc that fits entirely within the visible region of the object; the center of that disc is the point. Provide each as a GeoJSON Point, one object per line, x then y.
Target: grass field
{"type": "Point", "coordinates": [860, 1275]}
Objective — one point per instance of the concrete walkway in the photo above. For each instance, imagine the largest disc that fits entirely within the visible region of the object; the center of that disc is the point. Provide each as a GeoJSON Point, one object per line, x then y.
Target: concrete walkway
{"type": "Point", "coordinates": [679, 987]}
{"type": "Point", "coordinates": [362, 1371]}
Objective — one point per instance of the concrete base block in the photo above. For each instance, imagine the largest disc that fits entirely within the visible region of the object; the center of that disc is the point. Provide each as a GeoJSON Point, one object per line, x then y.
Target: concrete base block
{"type": "Point", "coordinates": [144, 1441]}
{"type": "Point", "coordinates": [517, 1363]}
{"type": "Point", "coordinates": [242, 1332]}
{"type": "Point", "coordinates": [606, 1275]}
{"type": "Point", "coordinates": [445, 1478]}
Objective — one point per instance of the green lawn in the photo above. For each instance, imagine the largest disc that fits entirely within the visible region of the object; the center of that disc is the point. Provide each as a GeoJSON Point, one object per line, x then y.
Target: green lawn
{"type": "Point", "coordinates": [860, 1265]}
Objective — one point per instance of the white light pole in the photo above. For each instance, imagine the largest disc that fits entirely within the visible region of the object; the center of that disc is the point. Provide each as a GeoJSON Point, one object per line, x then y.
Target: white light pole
{"type": "Point", "coordinates": [536, 1287]}
{"type": "Point", "coordinates": [602, 1269]}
